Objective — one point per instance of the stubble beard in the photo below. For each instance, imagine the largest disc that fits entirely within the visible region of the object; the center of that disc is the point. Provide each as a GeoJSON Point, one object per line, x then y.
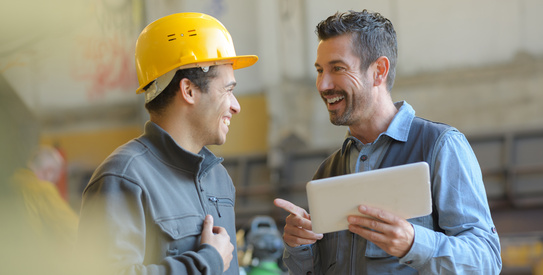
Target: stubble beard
{"type": "Point", "coordinates": [351, 104]}
{"type": "Point", "coordinates": [337, 118]}
{"type": "Point", "coordinates": [340, 119]}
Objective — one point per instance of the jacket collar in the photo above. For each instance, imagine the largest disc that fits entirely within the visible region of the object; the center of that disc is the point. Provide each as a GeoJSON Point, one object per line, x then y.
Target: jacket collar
{"type": "Point", "coordinates": [164, 147]}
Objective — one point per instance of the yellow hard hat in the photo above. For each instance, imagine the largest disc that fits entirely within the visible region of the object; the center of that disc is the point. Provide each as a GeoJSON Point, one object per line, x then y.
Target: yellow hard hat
{"type": "Point", "coordinates": [184, 40]}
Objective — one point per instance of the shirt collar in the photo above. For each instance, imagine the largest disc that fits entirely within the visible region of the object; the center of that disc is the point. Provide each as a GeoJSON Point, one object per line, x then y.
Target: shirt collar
{"type": "Point", "coordinates": [401, 123]}
{"type": "Point", "coordinates": [398, 128]}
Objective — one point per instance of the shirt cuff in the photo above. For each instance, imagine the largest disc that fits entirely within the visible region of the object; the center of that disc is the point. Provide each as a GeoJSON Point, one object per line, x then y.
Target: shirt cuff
{"type": "Point", "coordinates": [422, 249]}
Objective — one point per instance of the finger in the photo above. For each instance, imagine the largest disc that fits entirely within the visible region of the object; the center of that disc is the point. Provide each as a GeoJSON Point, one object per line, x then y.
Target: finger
{"type": "Point", "coordinates": [297, 238]}
{"type": "Point", "coordinates": [293, 241]}
{"type": "Point", "coordinates": [301, 233]}
{"type": "Point", "coordinates": [379, 214]}
{"type": "Point", "coordinates": [220, 230]}
{"type": "Point", "coordinates": [290, 207]}
{"type": "Point", "coordinates": [379, 231]}
{"type": "Point", "coordinates": [298, 221]}
{"type": "Point", "coordinates": [397, 242]}
{"type": "Point", "coordinates": [227, 261]}
{"type": "Point", "coordinates": [364, 232]}
{"type": "Point", "coordinates": [369, 222]}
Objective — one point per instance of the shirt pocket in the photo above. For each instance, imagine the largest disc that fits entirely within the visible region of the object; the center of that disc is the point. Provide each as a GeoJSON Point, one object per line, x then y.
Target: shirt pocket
{"type": "Point", "coordinates": [181, 233]}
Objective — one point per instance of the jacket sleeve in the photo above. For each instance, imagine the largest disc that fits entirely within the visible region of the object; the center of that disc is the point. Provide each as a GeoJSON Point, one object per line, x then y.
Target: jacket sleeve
{"type": "Point", "coordinates": [466, 241]}
{"type": "Point", "coordinates": [112, 234]}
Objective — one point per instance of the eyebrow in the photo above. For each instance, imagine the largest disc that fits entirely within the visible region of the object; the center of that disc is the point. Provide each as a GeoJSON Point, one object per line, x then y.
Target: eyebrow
{"type": "Point", "coordinates": [233, 84]}
{"type": "Point", "coordinates": [333, 62]}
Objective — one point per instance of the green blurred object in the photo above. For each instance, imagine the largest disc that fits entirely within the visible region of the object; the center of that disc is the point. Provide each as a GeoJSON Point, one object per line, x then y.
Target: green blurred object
{"type": "Point", "coordinates": [266, 268]}
{"type": "Point", "coordinates": [262, 246]}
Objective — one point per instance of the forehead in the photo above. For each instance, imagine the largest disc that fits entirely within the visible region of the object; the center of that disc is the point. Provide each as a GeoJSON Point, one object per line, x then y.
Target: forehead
{"type": "Point", "coordinates": [224, 73]}
{"type": "Point", "coordinates": [335, 49]}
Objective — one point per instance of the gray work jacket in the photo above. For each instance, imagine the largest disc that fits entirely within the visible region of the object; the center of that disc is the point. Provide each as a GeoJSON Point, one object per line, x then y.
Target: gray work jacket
{"type": "Point", "coordinates": [143, 209]}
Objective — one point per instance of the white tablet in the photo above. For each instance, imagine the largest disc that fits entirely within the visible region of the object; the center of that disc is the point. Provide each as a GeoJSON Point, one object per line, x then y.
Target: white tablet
{"type": "Point", "coordinates": [403, 190]}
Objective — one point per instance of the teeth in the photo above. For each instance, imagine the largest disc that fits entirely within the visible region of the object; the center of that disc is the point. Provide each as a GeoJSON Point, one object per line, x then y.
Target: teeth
{"type": "Point", "coordinates": [226, 121]}
{"type": "Point", "coordinates": [335, 99]}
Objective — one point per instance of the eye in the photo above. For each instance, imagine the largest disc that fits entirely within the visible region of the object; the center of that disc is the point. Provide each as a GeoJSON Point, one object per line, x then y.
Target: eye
{"type": "Point", "coordinates": [319, 70]}
{"type": "Point", "coordinates": [338, 69]}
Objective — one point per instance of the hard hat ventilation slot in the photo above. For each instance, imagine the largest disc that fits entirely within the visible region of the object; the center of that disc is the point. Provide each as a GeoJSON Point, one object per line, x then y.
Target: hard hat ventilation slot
{"type": "Point", "coordinates": [192, 34]}
{"type": "Point", "coordinates": [171, 36]}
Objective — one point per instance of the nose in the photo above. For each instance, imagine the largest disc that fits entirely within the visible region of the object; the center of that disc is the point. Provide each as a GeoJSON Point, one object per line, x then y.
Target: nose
{"type": "Point", "coordinates": [235, 108]}
{"type": "Point", "coordinates": [324, 82]}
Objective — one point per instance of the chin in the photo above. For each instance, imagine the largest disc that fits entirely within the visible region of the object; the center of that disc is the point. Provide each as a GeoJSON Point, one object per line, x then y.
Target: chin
{"type": "Point", "coordinates": [339, 121]}
{"type": "Point", "coordinates": [220, 141]}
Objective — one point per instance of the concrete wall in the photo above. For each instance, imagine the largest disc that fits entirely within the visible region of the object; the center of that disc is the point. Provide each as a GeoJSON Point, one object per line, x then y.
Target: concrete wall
{"type": "Point", "coordinates": [476, 65]}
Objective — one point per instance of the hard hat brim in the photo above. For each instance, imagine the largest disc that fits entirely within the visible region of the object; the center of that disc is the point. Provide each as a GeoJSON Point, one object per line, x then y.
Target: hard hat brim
{"type": "Point", "coordinates": [238, 62]}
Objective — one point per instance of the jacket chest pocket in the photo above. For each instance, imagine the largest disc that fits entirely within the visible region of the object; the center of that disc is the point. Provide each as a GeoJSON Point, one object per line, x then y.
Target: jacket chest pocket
{"type": "Point", "coordinates": [180, 233]}
{"type": "Point", "coordinates": [221, 204]}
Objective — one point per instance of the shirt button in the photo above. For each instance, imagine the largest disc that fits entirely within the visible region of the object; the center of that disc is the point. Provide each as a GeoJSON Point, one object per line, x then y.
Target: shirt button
{"type": "Point", "coordinates": [494, 230]}
{"type": "Point", "coordinates": [409, 262]}
{"type": "Point", "coordinates": [305, 249]}
{"type": "Point", "coordinates": [309, 273]}
{"type": "Point", "coordinates": [364, 158]}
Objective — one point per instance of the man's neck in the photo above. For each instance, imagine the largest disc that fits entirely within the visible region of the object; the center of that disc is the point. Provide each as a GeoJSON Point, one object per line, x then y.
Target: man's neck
{"type": "Point", "coordinates": [181, 132]}
{"type": "Point", "coordinates": [368, 131]}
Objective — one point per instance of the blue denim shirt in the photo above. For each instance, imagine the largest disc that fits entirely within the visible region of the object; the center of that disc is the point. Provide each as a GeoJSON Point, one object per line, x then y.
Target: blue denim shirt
{"type": "Point", "coordinates": [464, 240]}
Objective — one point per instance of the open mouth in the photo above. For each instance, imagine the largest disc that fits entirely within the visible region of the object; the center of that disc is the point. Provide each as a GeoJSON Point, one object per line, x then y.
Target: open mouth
{"type": "Point", "coordinates": [334, 100]}
{"type": "Point", "coordinates": [226, 121]}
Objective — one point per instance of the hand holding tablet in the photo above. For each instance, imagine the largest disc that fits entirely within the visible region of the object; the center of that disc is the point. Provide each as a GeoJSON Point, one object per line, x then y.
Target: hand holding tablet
{"type": "Point", "coordinates": [402, 190]}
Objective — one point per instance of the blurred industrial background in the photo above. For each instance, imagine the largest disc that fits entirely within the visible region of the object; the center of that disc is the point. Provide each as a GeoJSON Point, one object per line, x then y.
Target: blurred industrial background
{"type": "Point", "coordinates": [67, 79]}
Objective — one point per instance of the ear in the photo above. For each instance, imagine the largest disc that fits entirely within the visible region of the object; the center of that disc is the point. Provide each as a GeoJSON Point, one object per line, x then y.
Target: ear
{"type": "Point", "coordinates": [381, 67]}
{"type": "Point", "coordinates": [187, 90]}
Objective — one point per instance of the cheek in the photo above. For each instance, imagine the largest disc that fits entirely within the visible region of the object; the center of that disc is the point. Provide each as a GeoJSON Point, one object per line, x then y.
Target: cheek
{"type": "Point", "coordinates": [223, 106]}
{"type": "Point", "coordinates": [355, 81]}
{"type": "Point", "coordinates": [219, 108]}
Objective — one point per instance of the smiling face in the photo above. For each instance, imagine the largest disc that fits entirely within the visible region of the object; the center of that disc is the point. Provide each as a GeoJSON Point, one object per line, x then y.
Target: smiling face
{"type": "Point", "coordinates": [216, 107]}
{"type": "Point", "coordinates": [345, 89]}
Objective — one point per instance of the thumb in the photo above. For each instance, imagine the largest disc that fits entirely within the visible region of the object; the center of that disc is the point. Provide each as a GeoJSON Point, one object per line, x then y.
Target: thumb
{"type": "Point", "coordinates": [208, 226]}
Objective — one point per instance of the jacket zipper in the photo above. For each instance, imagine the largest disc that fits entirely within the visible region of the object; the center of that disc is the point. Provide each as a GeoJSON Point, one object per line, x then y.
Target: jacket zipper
{"type": "Point", "coordinates": [216, 202]}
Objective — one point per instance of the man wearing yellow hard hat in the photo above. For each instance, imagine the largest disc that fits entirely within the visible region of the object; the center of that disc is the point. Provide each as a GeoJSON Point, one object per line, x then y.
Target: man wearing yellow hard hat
{"type": "Point", "coordinates": [163, 203]}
